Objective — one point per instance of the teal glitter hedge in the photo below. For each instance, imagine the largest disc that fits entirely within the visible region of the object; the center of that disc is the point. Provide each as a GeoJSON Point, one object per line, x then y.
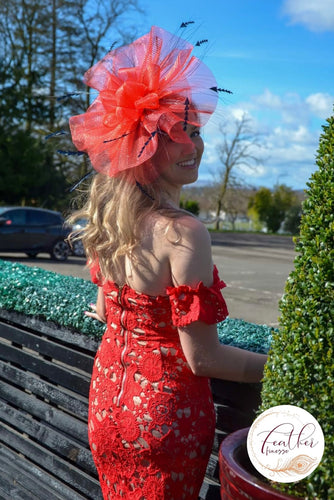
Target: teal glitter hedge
{"type": "Point", "coordinates": [64, 299]}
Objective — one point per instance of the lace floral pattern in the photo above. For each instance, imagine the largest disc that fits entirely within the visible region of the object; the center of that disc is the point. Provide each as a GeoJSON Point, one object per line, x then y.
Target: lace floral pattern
{"type": "Point", "coordinates": [200, 303]}
{"type": "Point", "coordinates": [151, 421]}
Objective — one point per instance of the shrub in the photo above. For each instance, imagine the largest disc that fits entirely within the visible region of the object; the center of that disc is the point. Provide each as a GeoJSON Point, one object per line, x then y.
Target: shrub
{"type": "Point", "coordinates": [300, 367]}
{"type": "Point", "coordinates": [191, 206]}
{"type": "Point", "coordinates": [273, 206]}
{"type": "Point", "coordinates": [292, 220]}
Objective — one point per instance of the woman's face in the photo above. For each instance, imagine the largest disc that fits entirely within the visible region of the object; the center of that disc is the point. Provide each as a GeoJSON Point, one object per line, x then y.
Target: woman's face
{"type": "Point", "coordinates": [178, 163]}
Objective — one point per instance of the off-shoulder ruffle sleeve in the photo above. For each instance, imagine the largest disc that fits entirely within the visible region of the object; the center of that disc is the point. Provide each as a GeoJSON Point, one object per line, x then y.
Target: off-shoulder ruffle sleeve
{"type": "Point", "coordinates": [198, 304]}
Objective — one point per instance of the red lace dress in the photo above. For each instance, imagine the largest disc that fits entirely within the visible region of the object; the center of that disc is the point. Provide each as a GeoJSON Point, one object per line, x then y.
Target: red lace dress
{"type": "Point", "coordinates": [151, 421]}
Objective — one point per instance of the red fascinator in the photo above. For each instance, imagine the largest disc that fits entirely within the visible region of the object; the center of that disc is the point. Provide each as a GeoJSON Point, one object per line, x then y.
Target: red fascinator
{"type": "Point", "coordinates": [145, 89]}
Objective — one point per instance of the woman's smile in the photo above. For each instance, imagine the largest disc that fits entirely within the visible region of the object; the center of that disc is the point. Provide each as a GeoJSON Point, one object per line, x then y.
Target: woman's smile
{"type": "Point", "coordinates": [191, 163]}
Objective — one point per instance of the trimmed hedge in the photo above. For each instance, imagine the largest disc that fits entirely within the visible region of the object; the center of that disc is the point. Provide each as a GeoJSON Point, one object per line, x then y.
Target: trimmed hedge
{"type": "Point", "coordinates": [300, 369]}
{"type": "Point", "coordinates": [63, 300]}
{"type": "Point", "coordinates": [49, 296]}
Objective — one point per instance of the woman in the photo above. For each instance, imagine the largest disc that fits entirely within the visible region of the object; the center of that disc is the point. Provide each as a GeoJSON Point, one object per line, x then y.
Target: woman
{"type": "Point", "coordinates": [151, 417]}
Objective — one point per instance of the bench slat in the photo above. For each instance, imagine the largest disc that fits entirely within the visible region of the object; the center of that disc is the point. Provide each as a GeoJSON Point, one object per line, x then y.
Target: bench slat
{"type": "Point", "coordinates": [57, 396]}
{"type": "Point", "coordinates": [17, 484]}
{"type": "Point", "coordinates": [209, 491]}
{"type": "Point", "coordinates": [33, 406]}
{"type": "Point", "coordinates": [35, 364]}
{"type": "Point", "coordinates": [52, 330]}
{"type": "Point", "coordinates": [218, 438]}
{"type": "Point", "coordinates": [212, 470]}
{"type": "Point", "coordinates": [47, 347]}
{"type": "Point", "coordinates": [9, 490]}
{"type": "Point", "coordinates": [31, 481]}
{"type": "Point", "coordinates": [61, 469]}
{"type": "Point", "coordinates": [55, 441]}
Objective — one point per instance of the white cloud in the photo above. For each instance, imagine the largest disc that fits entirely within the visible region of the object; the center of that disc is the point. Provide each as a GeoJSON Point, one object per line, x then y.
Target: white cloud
{"type": "Point", "coordinates": [291, 108]}
{"type": "Point", "coordinates": [316, 15]}
{"type": "Point", "coordinates": [268, 100]}
{"type": "Point", "coordinates": [298, 135]}
{"type": "Point", "coordinates": [289, 127]}
{"type": "Point", "coordinates": [259, 172]}
{"type": "Point", "coordinates": [320, 104]}
{"type": "Point", "coordinates": [238, 113]}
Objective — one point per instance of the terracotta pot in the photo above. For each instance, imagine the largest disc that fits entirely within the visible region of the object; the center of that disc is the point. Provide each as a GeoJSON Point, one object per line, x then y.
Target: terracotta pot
{"type": "Point", "coordinates": [239, 479]}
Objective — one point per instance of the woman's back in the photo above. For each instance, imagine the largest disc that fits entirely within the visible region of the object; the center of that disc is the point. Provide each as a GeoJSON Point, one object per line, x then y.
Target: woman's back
{"type": "Point", "coordinates": [167, 248]}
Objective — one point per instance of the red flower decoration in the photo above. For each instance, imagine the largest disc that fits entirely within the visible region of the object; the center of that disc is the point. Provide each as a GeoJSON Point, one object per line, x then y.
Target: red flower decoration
{"type": "Point", "coordinates": [153, 488]}
{"type": "Point", "coordinates": [128, 426]}
{"type": "Point", "coordinates": [144, 88]}
{"type": "Point", "coordinates": [161, 407]}
{"type": "Point", "coordinates": [151, 367]}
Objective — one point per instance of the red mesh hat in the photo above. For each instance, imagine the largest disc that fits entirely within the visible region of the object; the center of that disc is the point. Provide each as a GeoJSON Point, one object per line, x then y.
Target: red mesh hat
{"type": "Point", "coordinates": [145, 89]}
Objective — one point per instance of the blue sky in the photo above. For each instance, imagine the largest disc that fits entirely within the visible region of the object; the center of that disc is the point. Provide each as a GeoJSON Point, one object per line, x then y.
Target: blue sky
{"type": "Point", "coordinates": [277, 58]}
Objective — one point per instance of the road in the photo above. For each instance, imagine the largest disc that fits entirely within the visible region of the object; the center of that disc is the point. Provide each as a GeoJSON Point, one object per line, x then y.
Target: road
{"type": "Point", "coordinates": [254, 267]}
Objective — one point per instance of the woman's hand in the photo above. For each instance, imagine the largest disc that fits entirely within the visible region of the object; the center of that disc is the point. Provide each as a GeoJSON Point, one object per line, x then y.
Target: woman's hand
{"type": "Point", "coordinates": [94, 314]}
{"type": "Point", "coordinates": [98, 310]}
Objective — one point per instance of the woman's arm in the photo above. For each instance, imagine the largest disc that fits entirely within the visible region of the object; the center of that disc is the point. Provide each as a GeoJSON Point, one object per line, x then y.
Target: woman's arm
{"type": "Point", "coordinates": [207, 357]}
{"type": "Point", "coordinates": [191, 263]}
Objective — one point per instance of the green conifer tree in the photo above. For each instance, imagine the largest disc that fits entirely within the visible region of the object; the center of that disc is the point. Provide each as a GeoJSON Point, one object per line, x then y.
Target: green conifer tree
{"type": "Point", "coordinates": [300, 368]}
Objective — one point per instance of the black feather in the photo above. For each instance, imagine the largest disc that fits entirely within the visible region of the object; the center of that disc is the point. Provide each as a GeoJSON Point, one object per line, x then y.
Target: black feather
{"type": "Point", "coordinates": [184, 25]}
{"type": "Point", "coordinates": [217, 89]}
{"type": "Point", "coordinates": [200, 42]}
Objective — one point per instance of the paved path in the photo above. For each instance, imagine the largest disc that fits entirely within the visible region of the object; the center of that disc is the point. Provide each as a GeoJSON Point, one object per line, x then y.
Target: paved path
{"type": "Point", "coordinates": [254, 266]}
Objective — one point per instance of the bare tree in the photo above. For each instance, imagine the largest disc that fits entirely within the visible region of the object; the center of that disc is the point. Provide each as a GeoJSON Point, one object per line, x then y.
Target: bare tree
{"type": "Point", "coordinates": [104, 25]}
{"type": "Point", "coordinates": [236, 203]}
{"type": "Point", "coordinates": [21, 71]}
{"type": "Point", "coordinates": [238, 149]}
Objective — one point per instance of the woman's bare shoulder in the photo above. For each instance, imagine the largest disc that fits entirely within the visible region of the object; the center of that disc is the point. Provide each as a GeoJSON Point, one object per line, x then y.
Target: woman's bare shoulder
{"type": "Point", "coordinates": [181, 232]}
{"type": "Point", "coordinates": [190, 255]}
{"type": "Point", "coordinates": [177, 249]}
{"type": "Point", "coordinates": [192, 227]}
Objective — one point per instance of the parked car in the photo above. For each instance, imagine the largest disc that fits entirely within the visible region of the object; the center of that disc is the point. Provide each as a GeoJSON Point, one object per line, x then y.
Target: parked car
{"type": "Point", "coordinates": [76, 243]}
{"type": "Point", "coordinates": [33, 230]}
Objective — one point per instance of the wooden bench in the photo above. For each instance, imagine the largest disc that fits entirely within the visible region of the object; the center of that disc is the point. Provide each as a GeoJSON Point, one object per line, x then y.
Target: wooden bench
{"type": "Point", "coordinates": [44, 383]}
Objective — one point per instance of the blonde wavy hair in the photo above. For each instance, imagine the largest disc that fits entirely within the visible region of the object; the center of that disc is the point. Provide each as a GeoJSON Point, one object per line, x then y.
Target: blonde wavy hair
{"type": "Point", "coordinates": [115, 209]}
